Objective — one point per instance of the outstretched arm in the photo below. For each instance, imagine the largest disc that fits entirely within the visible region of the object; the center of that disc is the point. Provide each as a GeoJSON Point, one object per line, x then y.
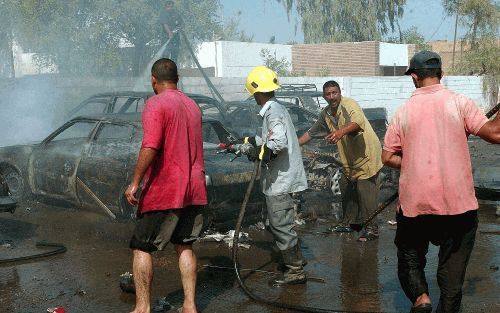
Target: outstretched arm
{"type": "Point", "coordinates": [337, 135]}
{"type": "Point", "coordinates": [491, 130]}
{"type": "Point", "coordinates": [305, 138]}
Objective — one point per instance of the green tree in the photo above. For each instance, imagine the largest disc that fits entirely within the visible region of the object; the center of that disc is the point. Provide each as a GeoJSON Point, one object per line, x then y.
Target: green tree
{"type": "Point", "coordinates": [232, 32]}
{"type": "Point", "coordinates": [280, 66]}
{"type": "Point", "coordinates": [411, 36]}
{"type": "Point", "coordinates": [105, 37]}
{"type": "Point", "coordinates": [481, 19]}
{"type": "Point", "coordinates": [353, 20]}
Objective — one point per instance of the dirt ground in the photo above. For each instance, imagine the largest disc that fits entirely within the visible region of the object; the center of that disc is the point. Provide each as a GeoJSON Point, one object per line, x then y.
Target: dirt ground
{"type": "Point", "coordinates": [358, 276]}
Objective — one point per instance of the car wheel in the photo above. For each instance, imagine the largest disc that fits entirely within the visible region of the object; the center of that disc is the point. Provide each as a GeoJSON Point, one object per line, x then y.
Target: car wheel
{"type": "Point", "coordinates": [15, 182]}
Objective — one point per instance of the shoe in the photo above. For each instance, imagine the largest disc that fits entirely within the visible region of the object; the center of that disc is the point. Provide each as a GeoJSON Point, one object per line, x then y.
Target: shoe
{"type": "Point", "coordinates": [422, 308]}
{"type": "Point", "coordinates": [294, 268]}
{"type": "Point", "coordinates": [341, 229]}
{"type": "Point", "coordinates": [127, 282]}
{"type": "Point", "coordinates": [291, 277]}
{"type": "Point", "coordinates": [368, 235]}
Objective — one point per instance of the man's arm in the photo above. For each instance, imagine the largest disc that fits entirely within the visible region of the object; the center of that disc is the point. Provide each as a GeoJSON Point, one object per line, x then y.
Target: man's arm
{"type": "Point", "coordinates": [391, 159]}
{"type": "Point", "coordinates": [337, 135]}
{"type": "Point", "coordinates": [491, 130]}
{"type": "Point", "coordinates": [146, 157]}
{"type": "Point", "coordinates": [305, 138]}
{"type": "Point", "coordinates": [168, 31]}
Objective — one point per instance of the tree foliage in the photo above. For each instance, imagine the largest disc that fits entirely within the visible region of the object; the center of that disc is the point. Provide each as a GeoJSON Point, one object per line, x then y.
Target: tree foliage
{"type": "Point", "coordinates": [280, 66]}
{"type": "Point", "coordinates": [411, 36]}
{"type": "Point", "coordinates": [353, 20]}
{"type": "Point", "coordinates": [481, 19]}
{"type": "Point", "coordinates": [106, 37]}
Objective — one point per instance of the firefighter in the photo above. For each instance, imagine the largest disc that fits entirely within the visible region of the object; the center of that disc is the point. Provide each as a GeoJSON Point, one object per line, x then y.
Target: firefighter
{"type": "Point", "coordinates": [283, 173]}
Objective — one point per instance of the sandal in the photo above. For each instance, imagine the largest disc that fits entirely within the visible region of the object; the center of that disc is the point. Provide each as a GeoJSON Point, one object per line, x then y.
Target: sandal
{"type": "Point", "coordinates": [368, 236]}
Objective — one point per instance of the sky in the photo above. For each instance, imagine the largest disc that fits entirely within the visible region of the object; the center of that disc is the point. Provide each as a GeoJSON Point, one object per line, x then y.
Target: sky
{"type": "Point", "coordinates": [266, 18]}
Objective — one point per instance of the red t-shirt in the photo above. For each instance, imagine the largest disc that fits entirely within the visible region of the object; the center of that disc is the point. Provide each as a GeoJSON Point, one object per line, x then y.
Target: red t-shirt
{"type": "Point", "coordinates": [176, 178]}
{"type": "Point", "coordinates": [431, 130]}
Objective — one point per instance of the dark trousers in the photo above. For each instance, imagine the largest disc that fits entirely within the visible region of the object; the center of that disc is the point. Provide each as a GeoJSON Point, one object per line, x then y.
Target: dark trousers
{"type": "Point", "coordinates": [359, 199]}
{"type": "Point", "coordinates": [455, 236]}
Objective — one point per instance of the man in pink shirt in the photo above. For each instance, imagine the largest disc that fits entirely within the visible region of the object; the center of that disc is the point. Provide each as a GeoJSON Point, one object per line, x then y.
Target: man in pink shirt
{"type": "Point", "coordinates": [427, 140]}
{"type": "Point", "coordinates": [174, 191]}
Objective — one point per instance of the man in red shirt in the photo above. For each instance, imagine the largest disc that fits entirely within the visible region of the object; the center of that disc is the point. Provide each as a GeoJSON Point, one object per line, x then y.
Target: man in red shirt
{"type": "Point", "coordinates": [427, 140]}
{"type": "Point", "coordinates": [174, 191]}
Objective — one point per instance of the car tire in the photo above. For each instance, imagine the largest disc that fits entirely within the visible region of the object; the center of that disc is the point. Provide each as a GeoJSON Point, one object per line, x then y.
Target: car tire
{"type": "Point", "coordinates": [16, 183]}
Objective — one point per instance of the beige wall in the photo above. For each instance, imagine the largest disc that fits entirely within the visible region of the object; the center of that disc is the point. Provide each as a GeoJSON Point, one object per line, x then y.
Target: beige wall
{"type": "Point", "coordinates": [337, 59]}
{"type": "Point", "coordinates": [445, 49]}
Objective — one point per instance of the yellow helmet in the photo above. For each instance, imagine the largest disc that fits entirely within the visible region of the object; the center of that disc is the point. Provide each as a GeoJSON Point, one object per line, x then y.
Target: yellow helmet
{"type": "Point", "coordinates": [262, 79]}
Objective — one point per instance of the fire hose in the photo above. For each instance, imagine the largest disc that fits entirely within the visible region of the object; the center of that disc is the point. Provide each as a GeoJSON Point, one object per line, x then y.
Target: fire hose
{"type": "Point", "coordinates": [257, 166]}
{"type": "Point", "coordinates": [58, 249]}
{"type": "Point", "coordinates": [236, 265]}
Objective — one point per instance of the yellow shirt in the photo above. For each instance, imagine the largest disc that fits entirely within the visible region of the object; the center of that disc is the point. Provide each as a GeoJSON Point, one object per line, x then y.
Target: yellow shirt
{"type": "Point", "coordinates": [360, 152]}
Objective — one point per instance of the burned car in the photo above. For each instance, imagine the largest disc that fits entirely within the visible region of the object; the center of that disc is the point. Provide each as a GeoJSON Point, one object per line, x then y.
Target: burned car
{"type": "Point", "coordinates": [485, 169]}
{"type": "Point", "coordinates": [133, 102]}
{"type": "Point", "coordinates": [7, 203]}
{"type": "Point", "coordinates": [321, 160]}
{"type": "Point", "coordinates": [89, 161]}
{"type": "Point", "coordinates": [305, 96]}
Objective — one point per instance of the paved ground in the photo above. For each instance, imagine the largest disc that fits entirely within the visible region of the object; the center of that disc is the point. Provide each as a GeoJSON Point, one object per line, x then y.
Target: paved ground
{"type": "Point", "coordinates": [358, 276]}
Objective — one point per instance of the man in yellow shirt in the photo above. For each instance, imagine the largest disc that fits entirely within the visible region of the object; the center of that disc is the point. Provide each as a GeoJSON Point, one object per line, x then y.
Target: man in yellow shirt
{"type": "Point", "coordinates": [343, 123]}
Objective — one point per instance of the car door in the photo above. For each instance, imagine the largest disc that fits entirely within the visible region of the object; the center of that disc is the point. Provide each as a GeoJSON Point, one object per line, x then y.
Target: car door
{"type": "Point", "coordinates": [104, 168]}
{"type": "Point", "coordinates": [54, 163]}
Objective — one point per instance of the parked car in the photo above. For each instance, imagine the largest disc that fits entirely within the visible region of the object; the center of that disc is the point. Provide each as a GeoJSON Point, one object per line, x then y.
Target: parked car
{"type": "Point", "coordinates": [89, 161]}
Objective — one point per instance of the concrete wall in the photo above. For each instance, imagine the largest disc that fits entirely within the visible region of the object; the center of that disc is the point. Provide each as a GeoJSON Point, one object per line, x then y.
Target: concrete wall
{"type": "Point", "coordinates": [236, 59]}
{"type": "Point", "coordinates": [385, 91]}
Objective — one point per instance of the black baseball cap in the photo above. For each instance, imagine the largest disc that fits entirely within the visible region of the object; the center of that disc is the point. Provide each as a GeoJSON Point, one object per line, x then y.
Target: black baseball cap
{"type": "Point", "coordinates": [421, 61]}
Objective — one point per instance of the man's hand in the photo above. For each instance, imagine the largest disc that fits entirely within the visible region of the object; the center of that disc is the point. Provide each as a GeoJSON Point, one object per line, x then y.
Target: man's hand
{"type": "Point", "coordinates": [335, 136]}
{"type": "Point", "coordinates": [260, 153]}
{"type": "Point", "coordinates": [130, 194]}
{"type": "Point", "coordinates": [170, 34]}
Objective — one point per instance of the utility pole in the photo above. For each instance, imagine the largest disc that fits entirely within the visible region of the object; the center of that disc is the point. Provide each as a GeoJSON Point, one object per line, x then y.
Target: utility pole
{"type": "Point", "coordinates": [455, 36]}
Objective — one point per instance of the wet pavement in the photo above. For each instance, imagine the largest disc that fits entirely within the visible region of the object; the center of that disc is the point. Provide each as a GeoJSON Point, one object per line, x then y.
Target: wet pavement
{"type": "Point", "coordinates": [358, 276]}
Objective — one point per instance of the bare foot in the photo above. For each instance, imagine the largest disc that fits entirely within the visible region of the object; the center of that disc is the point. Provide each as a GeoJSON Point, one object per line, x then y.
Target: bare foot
{"type": "Point", "coordinates": [424, 298]}
{"type": "Point", "coordinates": [141, 310]}
{"type": "Point", "coordinates": [188, 310]}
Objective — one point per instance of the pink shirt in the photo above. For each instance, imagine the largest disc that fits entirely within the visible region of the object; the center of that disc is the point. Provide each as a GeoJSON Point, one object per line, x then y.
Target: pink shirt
{"type": "Point", "coordinates": [430, 130]}
{"type": "Point", "coordinates": [176, 179]}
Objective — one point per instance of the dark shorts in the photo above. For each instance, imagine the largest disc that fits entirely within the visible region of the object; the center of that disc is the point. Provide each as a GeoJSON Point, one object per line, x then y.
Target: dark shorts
{"type": "Point", "coordinates": [154, 230]}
